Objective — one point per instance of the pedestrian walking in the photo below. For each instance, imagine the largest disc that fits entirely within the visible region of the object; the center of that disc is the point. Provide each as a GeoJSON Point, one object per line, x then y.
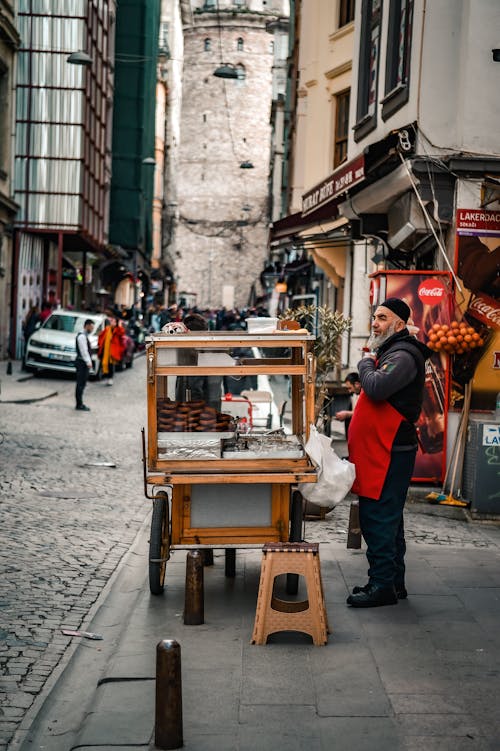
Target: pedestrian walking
{"type": "Point", "coordinates": [382, 443]}
{"type": "Point", "coordinates": [83, 363]}
{"type": "Point", "coordinates": [111, 346]}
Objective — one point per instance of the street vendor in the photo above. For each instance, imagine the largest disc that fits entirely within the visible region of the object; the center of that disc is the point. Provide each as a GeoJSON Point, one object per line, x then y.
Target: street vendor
{"type": "Point", "coordinates": [382, 444]}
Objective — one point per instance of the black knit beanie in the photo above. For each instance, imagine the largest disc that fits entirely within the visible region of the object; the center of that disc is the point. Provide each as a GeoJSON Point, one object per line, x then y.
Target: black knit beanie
{"type": "Point", "coordinates": [399, 307]}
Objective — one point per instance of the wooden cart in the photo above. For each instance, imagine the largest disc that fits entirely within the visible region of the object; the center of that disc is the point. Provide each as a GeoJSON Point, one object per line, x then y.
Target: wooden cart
{"type": "Point", "coordinates": [216, 481]}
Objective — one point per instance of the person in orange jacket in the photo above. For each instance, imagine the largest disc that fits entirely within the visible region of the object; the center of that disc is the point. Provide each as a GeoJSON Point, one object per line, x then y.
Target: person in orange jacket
{"type": "Point", "coordinates": [111, 346]}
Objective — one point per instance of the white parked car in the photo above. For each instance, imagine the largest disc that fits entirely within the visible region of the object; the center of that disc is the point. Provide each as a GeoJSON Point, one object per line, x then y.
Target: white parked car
{"type": "Point", "coordinates": [53, 345]}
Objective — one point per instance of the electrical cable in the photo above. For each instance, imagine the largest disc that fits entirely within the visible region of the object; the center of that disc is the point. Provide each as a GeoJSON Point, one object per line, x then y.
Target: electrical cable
{"type": "Point", "coordinates": [429, 222]}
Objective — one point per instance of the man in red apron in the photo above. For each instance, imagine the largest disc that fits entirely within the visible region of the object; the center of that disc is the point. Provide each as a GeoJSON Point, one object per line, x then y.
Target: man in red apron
{"type": "Point", "coordinates": [382, 444]}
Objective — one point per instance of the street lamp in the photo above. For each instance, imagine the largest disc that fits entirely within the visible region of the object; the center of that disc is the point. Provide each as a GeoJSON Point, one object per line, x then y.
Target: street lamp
{"type": "Point", "coordinates": [79, 58]}
{"type": "Point", "coordinates": [226, 70]}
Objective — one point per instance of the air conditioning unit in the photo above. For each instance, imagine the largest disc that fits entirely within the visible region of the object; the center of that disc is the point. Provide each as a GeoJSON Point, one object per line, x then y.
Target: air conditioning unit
{"type": "Point", "coordinates": [407, 225]}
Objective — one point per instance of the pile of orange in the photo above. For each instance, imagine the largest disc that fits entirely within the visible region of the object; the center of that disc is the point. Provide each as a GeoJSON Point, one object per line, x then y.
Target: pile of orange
{"type": "Point", "coordinates": [454, 339]}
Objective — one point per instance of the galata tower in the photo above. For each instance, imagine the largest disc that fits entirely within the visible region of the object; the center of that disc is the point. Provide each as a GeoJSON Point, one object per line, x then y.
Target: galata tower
{"type": "Point", "coordinates": [222, 182]}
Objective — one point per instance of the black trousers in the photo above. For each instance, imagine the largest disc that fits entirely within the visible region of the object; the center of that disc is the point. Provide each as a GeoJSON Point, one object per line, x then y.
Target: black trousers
{"type": "Point", "coordinates": [82, 375]}
{"type": "Point", "coordinates": [382, 524]}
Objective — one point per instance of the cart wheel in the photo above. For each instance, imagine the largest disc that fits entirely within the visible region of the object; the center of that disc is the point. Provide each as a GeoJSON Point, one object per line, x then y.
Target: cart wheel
{"type": "Point", "coordinates": [296, 510]}
{"type": "Point", "coordinates": [159, 543]}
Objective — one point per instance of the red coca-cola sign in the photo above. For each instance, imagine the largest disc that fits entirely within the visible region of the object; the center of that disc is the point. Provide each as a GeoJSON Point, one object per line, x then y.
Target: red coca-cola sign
{"type": "Point", "coordinates": [431, 292]}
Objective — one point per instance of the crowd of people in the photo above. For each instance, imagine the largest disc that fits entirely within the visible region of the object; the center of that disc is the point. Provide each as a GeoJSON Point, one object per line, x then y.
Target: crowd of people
{"type": "Point", "coordinates": [218, 319]}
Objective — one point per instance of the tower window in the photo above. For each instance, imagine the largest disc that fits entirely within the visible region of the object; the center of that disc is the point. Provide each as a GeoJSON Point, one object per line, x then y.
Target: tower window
{"type": "Point", "coordinates": [207, 45]}
{"type": "Point", "coordinates": [240, 44]}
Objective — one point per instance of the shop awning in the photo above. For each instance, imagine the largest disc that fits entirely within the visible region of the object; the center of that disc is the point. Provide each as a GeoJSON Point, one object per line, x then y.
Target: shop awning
{"type": "Point", "coordinates": [293, 224]}
{"type": "Point", "coordinates": [332, 261]}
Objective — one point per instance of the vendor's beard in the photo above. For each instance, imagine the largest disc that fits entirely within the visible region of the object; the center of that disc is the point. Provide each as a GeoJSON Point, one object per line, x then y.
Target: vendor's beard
{"type": "Point", "coordinates": [374, 342]}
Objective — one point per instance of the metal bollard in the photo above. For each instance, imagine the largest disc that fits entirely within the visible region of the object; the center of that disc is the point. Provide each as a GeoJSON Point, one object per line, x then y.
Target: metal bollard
{"type": "Point", "coordinates": [9, 368]}
{"type": "Point", "coordinates": [193, 596]}
{"type": "Point", "coordinates": [168, 706]}
{"type": "Point", "coordinates": [354, 531]}
{"type": "Point", "coordinates": [208, 556]}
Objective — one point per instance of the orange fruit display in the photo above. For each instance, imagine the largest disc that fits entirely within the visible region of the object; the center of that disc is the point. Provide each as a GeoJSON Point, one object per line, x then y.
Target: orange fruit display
{"type": "Point", "coordinates": [454, 339]}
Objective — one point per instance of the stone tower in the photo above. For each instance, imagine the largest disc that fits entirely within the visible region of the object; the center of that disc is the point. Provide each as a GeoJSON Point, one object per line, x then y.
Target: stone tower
{"type": "Point", "coordinates": [222, 184]}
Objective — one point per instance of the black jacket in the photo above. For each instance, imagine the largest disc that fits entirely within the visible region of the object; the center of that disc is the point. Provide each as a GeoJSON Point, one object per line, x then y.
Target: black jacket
{"type": "Point", "coordinates": [398, 377]}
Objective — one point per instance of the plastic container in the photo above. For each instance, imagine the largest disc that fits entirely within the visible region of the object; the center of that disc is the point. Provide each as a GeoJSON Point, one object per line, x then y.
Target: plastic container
{"type": "Point", "coordinates": [261, 325]}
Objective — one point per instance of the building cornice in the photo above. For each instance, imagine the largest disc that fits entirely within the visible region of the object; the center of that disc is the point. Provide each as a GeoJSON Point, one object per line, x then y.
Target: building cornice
{"type": "Point", "coordinates": [339, 70]}
{"type": "Point", "coordinates": [342, 32]}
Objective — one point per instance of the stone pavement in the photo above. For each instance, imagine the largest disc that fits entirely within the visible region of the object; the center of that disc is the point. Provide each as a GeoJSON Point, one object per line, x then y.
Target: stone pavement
{"type": "Point", "coordinates": [74, 555]}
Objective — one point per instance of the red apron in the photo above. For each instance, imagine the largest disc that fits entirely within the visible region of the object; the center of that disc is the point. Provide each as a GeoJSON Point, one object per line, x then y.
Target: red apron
{"type": "Point", "coordinates": [371, 434]}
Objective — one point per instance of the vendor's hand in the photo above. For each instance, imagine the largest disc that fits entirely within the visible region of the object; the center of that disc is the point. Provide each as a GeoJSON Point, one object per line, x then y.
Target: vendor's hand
{"type": "Point", "coordinates": [342, 415]}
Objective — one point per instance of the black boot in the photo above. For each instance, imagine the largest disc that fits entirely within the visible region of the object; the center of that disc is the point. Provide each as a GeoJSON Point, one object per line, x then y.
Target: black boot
{"type": "Point", "coordinates": [400, 590]}
{"type": "Point", "coordinates": [373, 596]}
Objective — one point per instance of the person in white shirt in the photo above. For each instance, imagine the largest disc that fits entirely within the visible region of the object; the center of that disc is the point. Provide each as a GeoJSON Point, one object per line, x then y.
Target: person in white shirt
{"type": "Point", "coordinates": [353, 386]}
{"type": "Point", "coordinates": [83, 363]}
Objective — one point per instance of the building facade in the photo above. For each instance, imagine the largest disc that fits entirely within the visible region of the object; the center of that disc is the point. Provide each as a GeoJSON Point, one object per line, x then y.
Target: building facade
{"type": "Point", "coordinates": [317, 161]}
{"type": "Point", "coordinates": [222, 193]}
{"type": "Point", "coordinates": [9, 44]}
{"type": "Point", "coordinates": [136, 175]}
{"type": "Point", "coordinates": [62, 153]}
{"type": "Point", "coordinates": [421, 114]}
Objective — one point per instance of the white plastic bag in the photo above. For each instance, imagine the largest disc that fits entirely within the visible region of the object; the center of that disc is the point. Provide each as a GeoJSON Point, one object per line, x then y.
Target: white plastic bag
{"type": "Point", "coordinates": [335, 475]}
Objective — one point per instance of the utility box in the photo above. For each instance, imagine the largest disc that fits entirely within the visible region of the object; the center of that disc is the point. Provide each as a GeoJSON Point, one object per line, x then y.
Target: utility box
{"type": "Point", "coordinates": [481, 474]}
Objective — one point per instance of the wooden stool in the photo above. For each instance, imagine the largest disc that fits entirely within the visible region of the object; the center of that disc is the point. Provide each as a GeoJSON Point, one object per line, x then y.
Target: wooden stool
{"type": "Point", "coordinates": [273, 614]}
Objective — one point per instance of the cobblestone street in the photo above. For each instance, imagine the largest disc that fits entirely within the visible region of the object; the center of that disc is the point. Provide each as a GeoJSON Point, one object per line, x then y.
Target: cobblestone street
{"type": "Point", "coordinates": [67, 520]}
{"type": "Point", "coordinates": [65, 523]}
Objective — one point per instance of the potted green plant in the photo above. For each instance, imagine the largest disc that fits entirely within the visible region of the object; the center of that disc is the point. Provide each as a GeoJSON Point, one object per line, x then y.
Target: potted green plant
{"type": "Point", "coordinates": [328, 326]}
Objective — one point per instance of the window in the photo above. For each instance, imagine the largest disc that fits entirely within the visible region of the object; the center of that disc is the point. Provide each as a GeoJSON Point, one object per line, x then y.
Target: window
{"type": "Point", "coordinates": [239, 44]}
{"type": "Point", "coordinates": [271, 47]}
{"type": "Point", "coordinates": [341, 127]}
{"type": "Point", "coordinates": [241, 73]}
{"type": "Point", "coordinates": [397, 68]}
{"type": "Point", "coordinates": [366, 113]}
{"type": "Point", "coordinates": [346, 12]}
{"type": "Point", "coordinates": [207, 45]}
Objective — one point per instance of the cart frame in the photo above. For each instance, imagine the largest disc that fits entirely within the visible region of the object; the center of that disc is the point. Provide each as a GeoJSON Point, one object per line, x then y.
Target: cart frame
{"type": "Point", "coordinates": [171, 483]}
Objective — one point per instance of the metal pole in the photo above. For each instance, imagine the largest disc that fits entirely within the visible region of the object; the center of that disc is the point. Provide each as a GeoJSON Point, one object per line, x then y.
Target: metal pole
{"type": "Point", "coordinates": [193, 597]}
{"type": "Point", "coordinates": [59, 289]}
{"type": "Point", "coordinates": [168, 706]}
